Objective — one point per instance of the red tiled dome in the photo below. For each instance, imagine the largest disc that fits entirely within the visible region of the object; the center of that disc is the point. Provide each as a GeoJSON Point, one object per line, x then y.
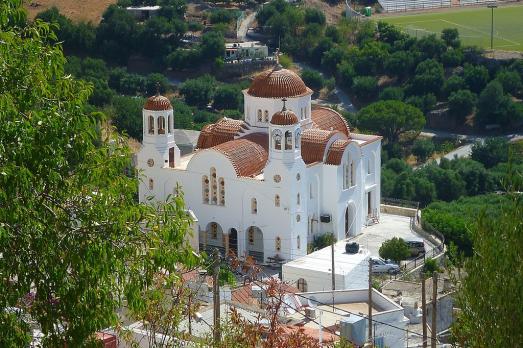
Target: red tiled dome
{"type": "Point", "coordinates": [328, 119]}
{"type": "Point", "coordinates": [248, 155]}
{"type": "Point", "coordinates": [157, 103]}
{"type": "Point", "coordinates": [278, 83]}
{"type": "Point", "coordinates": [336, 151]}
{"type": "Point", "coordinates": [314, 142]}
{"type": "Point", "coordinates": [284, 118]}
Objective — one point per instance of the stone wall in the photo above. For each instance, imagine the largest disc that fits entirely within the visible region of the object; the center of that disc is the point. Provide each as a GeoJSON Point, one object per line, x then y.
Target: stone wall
{"type": "Point", "coordinates": [395, 210]}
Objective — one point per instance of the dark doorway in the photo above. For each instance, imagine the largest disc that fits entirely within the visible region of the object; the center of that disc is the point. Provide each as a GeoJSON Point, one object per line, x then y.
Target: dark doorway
{"type": "Point", "coordinates": [233, 241]}
{"type": "Point", "coordinates": [347, 222]}
{"type": "Point", "coordinates": [369, 204]}
{"type": "Point", "coordinates": [171, 157]}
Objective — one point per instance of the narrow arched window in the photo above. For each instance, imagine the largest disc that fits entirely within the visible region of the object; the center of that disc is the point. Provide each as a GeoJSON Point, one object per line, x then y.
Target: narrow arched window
{"type": "Point", "coordinates": [214, 230]}
{"type": "Point", "coordinates": [161, 125]}
{"type": "Point", "coordinates": [278, 243]}
{"type": "Point", "coordinates": [302, 285]}
{"type": "Point", "coordinates": [205, 189]}
{"type": "Point", "coordinates": [276, 136]}
{"type": "Point", "coordinates": [266, 114]}
{"type": "Point", "coordinates": [222, 191]}
{"type": "Point", "coordinates": [352, 174]}
{"type": "Point", "coordinates": [214, 187]}
{"type": "Point", "coordinates": [169, 124]}
{"type": "Point", "coordinates": [260, 116]}
{"type": "Point", "coordinates": [251, 235]}
{"type": "Point", "coordinates": [346, 176]}
{"type": "Point", "coordinates": [298, 242]}
{"type": "Point", "coordinates": [151, 184]}
{"type": "Point", "coordinates": [297, 138]}
{"type": "Point", "coordinates": [277, 200]}
{"type": "Point", "coordinates": [288, 140]}
{"type": "Point", "coordinates": [151, 125]}
{"type": "Point", "coordinates": [298, 200]}
{"type": "Point", "coordinates": [254, 206]}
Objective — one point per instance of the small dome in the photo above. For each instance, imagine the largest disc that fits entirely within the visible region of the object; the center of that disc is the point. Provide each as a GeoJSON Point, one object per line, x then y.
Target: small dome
{"type": "Point", "coordinates": [157, 103]}
{"type": "Point", "coordinates": [278, 83]}
{"type": "Point", "coordinates": [284, 118]}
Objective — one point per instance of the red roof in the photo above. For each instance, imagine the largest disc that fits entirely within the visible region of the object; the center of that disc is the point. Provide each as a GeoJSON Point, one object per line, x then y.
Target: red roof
{"type": "Point", "coordinates": [157, 103]}
{"type": "Point", "coordinates": [248, 155]}
{"type": "Point", "coordinates": [284, 118]}
{"type": "Point", "coordinates": [313, 144]}
{"type": "Point", "coordinates": [278, 83]}
{"type": "Point", "coordinates": [336, 151]}
{"type": "Point", "coordinates": [328, 119]}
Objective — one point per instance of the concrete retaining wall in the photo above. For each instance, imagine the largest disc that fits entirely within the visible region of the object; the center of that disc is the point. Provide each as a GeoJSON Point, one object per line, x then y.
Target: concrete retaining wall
{"type": "Point", "coordinates": [395, 210]}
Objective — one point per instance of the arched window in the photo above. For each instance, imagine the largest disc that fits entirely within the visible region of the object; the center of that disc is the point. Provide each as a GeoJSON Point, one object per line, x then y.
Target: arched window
{"type": "Point", "coordinates": [161, 125]}
{"type": "Point", "coordinates": [297, 138]}
{"type": "Point", "coordinates": [298, 242]}
{"type": "Point", "coordinates": [277, 200]}
{"type": "Point", "coordinates": [214, 230]}
{"type": "Point", "coordinates": [301, 113]}
{"type": "Point", "coordinates": [151, 184]}
{"type": "Point", "coordinates": [302, 285]}
{"type": "Point", "coordinates": [151, 125]}
{"type": "Point", "coordinates": [352, 174]}
{"type": "Point", "coordinates": [214, 187]}
{"type": "Point", "coordinates": [266, 116]}
{"type": "Point", "coordinates": [251, 235]}
{"type": "Point", "coordinates": [278, 243]}
{"type": "Point", "coordinates": [254, 206]}
{"type": "Point", "coordinates": [346, 176]}
{"type": "Point", "coordinates": [222, 191]}
{"type": "Point", "coordinates": [276, 136]}
{"type": "Point", "coordinates": [260, 116]}
{"type": "Point", "coordinates": [205, 189]}
{"type": "Point", "coordinates": [288, 140]}
{"type": "Point", "coordinates": [169, 124]}
{"type": "Point", "coordinates": [298, 200]}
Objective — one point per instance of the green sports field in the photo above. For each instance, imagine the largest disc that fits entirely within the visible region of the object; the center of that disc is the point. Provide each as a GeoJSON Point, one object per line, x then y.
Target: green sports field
{"type": "Point", "coordinates": [473, 25]}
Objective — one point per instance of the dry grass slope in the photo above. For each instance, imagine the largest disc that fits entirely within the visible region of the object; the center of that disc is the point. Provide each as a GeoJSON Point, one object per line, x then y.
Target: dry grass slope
{"type": "Point", "coordinates": [77, 10]}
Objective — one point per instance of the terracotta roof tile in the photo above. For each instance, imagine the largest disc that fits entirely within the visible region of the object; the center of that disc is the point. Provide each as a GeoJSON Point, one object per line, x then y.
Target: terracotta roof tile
{"type": "Point", "coordinates": [278, 83]}
{"type": "Point", "coordinates": [224, 130]}
{"type": "Point", "coordinates": [328, 119]}
{"type": "Point", "coordinates": [157, 103]}
{"type": "Point", "coordinates": [284, 118]}
{"type": "Point", "coordinates": [248, 155]}
{"type": "Point", "coordinates": [313, 144]}
{"type": "Point", "coordinates": [336, 151]}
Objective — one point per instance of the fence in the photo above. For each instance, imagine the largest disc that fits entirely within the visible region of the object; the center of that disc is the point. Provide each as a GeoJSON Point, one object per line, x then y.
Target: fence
{"type": "Point", "coordinates": [412, 5]}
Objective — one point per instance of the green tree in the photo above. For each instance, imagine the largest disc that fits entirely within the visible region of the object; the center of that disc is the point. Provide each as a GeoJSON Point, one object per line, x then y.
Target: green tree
{"type": "Point", "coordinates": [200, 91]}
{"type": "Point", "coordinates": [400, 63]}
{"type": "Point", "coordinates": [453, 84]}
{"type": "Point", "coordinates": [227, 97]}
{"type": "Point", "coordinates": [493, 284]}
{"type": "Point", "coordinates": [491, 152]}
{"type": "Point", "coordinates": [392, 93]}
{"type": "Point", "coordinates": [461, 104]}
{"type": "Point", "coordinates": [345, 74]}
{"type": "Point", "coordinates": [312, 79]}
{"type": "Point", "coordinates": [127, 115]}
{"type": "Point", "coordinates": [510, 80]}
{"type": "Point", "coordinates": [212, 46]}
{"type": "Point", "coordinates": [394, 249]}
{"type": "Point", "coordinates": [429, 77]}
{"type": "Point", "coordinates": [365, 87]}
{"type": "Point", "coordinates": [476, 77]}
{"type": "Point", "coordinates": [452, 58]}
{"type": "Point", "coordinates": [451, 37]}
{"type": "Point", "coordinates": [391, 119]}
{"type": "Point", "coordinates": [154, 81]}
{"type": "Point", "coordinates": [495, 107]}
{"type": "Point", "coordinates": [422, 149]}
{"type": "Point", "coordinates": [314, 15]}
{"type": "Point", "coordinates": [70, 226]}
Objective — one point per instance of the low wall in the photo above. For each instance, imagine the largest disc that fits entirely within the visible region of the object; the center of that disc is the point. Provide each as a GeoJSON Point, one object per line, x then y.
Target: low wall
{"type": "Point", "coordinates": [395, 210]}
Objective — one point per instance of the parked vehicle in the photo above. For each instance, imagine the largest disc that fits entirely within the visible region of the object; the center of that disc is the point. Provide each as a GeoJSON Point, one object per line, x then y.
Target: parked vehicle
{"type": "Point", "coordinates": [381, 266]}
{"type": "Point", "coordinates": [416, 246]}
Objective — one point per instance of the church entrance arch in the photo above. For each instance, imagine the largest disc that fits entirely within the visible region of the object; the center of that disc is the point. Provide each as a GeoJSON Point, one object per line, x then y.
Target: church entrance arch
{"type": "Point", "coordinates": [350, 219]}
{"type": "Point", "coordinates": [214, 238]}
{"type": "Point", "coordinates": [233, 241]}
{"type": "Point", "coordinates": [254, 241]}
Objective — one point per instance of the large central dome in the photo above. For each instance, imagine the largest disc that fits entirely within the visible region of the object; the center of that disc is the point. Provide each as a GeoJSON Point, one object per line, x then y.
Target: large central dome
{"type": "Point", "coordinates": [278, 83]}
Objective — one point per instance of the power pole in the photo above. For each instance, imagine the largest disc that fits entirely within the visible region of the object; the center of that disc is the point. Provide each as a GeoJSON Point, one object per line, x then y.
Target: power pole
{"type": "Point", "coordinates": [370, 303]}
{"type": "Point", "coordinates": [492, 7]}
{"type": "Point", "coordinates": [333, 273]}
{"type": "Point", "coordinates": [216, 297]}
{"type": "Point", "coordinates": [424, 309]}
{"type": "Point", "coordinates": [434, 305]}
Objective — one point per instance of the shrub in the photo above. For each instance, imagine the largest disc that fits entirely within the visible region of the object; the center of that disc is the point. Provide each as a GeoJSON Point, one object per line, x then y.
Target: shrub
{"type": "Point", "coordinates": [313, 79]}
{"type": "Point", "coordinates": [422, 149]}
{"type": "Point", "coordinates": [394, 249]}
{"type": "Point", "coordinates": [365, 87]}
{"type": "Point", "coordinates": [392, 93]}
{"type": "Point", "coordinates": [323, 241]}
{"type": "Point", "coordinates": [430, 266]}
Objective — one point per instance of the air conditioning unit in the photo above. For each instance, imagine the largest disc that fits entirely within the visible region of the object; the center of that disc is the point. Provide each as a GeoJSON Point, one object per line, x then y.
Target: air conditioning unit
{"type": "Point", "coordinates": [326, 218]}
{"type": "Point", "coordinates": [353, 328]}
{"type": "Point", "coordinates": [310, 312]}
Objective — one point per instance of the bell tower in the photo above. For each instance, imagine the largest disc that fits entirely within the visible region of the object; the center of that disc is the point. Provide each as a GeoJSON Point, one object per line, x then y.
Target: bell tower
{"type": "Point", "coordinates": [285, 136]}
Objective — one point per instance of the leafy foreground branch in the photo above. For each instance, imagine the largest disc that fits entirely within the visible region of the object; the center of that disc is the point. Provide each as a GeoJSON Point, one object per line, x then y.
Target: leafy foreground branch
{"type": "Point", "coordinates": [74, 244]}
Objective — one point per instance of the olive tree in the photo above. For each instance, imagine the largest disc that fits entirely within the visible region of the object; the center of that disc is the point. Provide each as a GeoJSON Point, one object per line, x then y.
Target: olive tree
{"type": "Point", "coordinates": [394, 249]}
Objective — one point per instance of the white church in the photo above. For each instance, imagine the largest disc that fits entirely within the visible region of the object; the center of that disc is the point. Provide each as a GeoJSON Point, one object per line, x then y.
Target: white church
{"type": "Point", "coordinates": [266, 185]}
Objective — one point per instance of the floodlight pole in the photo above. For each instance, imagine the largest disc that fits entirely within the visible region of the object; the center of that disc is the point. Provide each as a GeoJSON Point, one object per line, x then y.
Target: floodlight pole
{"type": "Point", "coordinates": [492, 7]}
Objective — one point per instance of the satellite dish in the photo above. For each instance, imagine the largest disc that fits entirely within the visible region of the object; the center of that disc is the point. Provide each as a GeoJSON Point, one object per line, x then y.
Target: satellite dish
{"type": "Point", "coordinates": [312, 302]}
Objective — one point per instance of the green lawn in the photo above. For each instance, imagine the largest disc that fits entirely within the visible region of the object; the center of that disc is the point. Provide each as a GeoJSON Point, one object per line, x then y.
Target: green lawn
{"type": "Point", "coordinates": [473, 25]}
